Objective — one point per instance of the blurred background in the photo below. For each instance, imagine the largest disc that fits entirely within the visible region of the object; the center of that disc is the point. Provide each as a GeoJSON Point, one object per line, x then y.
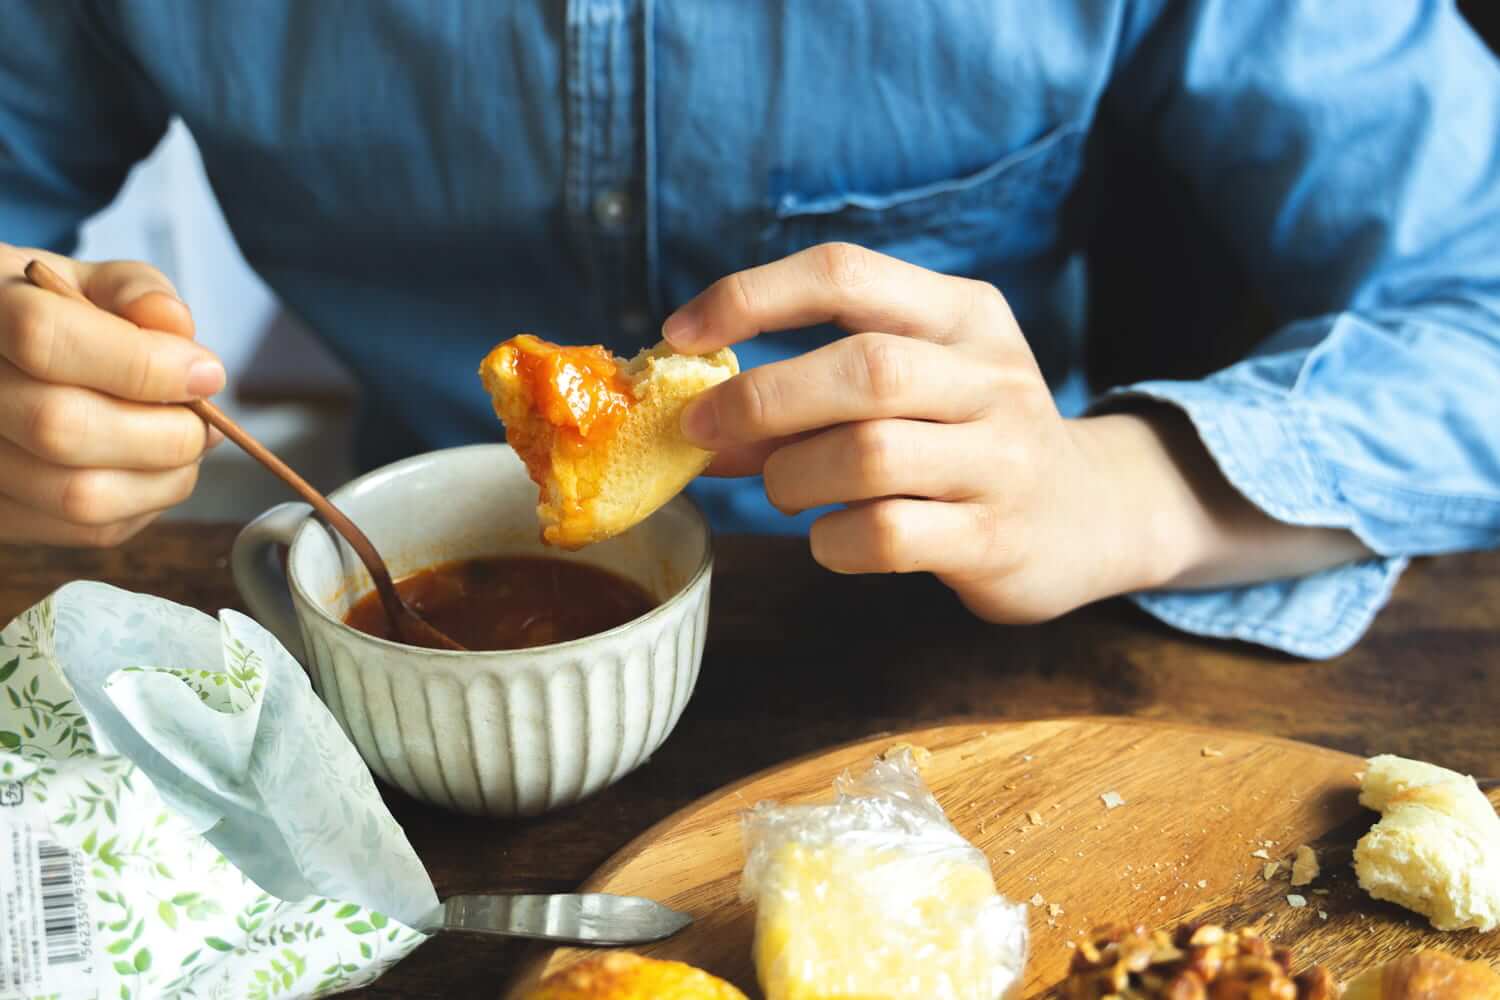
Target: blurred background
{"type": "Point", "coordinates": [284, 387]}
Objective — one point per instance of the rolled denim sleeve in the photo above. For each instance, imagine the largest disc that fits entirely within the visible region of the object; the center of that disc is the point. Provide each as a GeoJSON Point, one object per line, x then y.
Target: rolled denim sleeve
{"type": "Point", "coordinates": [1348, 157]}
{"type": "Point", "coordinates": [76, 113]}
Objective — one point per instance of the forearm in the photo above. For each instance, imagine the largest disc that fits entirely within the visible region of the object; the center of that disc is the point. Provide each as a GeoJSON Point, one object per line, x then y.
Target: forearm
{"type": "Point", "coordinates": [1178, 523]}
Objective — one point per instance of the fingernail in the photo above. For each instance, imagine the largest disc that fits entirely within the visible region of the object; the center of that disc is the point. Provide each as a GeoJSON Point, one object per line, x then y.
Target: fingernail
{"type": "Point", "coordinates": [700, 422]}
{"type": "Point", "coordinates": [205, 378]}
{"type": "Point", "coordinates": [681, 329]}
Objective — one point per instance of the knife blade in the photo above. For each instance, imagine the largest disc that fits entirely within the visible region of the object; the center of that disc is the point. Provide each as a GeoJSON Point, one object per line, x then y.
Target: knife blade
{"type": "Point", "coordinates": [565, 918]}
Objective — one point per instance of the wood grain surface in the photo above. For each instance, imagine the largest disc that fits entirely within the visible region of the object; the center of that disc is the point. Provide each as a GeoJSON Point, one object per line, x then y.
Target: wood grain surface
{"type": "Point", "coordinates": [1205, 810]}
{"type": "Point", "coordinates": [799, 659]}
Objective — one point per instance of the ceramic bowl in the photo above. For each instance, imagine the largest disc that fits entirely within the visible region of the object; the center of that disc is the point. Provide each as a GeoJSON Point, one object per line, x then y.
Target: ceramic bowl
{"type": "Point", "coordinates": [508, 733]}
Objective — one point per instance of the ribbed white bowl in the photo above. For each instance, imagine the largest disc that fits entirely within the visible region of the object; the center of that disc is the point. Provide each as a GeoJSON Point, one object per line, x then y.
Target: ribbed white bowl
{"type": "Point", "coordinates": [498, 733]}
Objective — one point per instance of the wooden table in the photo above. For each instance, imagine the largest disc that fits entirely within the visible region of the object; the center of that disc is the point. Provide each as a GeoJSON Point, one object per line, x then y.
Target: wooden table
{"type": "Point", "coordinates": [799, 658]}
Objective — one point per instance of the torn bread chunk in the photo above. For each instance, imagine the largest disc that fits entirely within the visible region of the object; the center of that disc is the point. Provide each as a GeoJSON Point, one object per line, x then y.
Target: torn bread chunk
{"type": "Point", "coordinates": [1436, 849]}
{"type": "Point", "coordinates": [624, 975]}
{"type": "Point", "coordinates": [1426, 975]}
{"type": "Point", "coordinates": [600, 436]}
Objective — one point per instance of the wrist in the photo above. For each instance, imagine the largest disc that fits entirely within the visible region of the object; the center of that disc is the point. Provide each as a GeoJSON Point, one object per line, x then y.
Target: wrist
{"type": "Point", "coordinates": [1178, 521]}
{"type": "Point", "coordinates": [1143, 499]}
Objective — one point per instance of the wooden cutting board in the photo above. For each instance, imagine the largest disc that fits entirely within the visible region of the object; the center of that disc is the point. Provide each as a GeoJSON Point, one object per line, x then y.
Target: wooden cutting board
{"type": "Point", "coordinates": [1198, 806]}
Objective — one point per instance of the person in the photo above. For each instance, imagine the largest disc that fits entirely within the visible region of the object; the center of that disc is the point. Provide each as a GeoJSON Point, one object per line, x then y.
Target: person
{"type": "Point", "coordinates": [887, 207]}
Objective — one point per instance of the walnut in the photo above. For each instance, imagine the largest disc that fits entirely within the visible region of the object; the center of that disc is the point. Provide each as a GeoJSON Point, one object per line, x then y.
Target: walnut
{"type": "Point", "coordinates": [1198, 962]}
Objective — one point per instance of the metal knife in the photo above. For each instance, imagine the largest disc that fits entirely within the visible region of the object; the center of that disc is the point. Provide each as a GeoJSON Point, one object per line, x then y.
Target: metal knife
{"type": "Point", "coordinates": [565, 918]}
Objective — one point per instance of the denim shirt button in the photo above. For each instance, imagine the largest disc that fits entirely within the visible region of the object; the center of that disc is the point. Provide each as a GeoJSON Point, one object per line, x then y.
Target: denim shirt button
{"type": "Point", "coordinates": [612, 209]}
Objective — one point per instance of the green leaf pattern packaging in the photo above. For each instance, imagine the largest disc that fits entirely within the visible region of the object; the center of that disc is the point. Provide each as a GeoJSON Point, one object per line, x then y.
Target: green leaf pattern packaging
{"type": "Point", "coordinates": [180, 816]}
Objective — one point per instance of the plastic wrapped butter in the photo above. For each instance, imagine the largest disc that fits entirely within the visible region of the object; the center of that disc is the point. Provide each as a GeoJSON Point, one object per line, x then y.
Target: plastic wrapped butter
{"type": "Point", "coordinates": [877, 896]}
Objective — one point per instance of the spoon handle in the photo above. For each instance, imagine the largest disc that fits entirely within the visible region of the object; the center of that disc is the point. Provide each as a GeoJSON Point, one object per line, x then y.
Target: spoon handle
{"type": "Point", "coordinates": [44, 277]}
{"type": "Point", "coordinates": [348, 529]}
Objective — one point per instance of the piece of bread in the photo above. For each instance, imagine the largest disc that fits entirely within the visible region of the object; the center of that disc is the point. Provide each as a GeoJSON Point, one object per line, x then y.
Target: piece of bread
{"type": "Point", "coordinates": [624, 975]}
{"type": "Point", "coordinates": [600, 437]}
{"type": "Point", "coordinates": [1426, 975]}
{"type": "Point", "coordinates": [1436, 849]}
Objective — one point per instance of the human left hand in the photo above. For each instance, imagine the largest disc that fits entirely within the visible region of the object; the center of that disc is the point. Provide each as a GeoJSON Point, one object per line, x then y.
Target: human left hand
{"type": "Point", "coordinates": [931, 422]}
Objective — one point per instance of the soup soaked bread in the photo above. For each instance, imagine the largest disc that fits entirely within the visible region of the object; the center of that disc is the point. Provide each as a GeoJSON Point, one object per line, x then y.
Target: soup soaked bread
{"type": "Point", "coordinates": [600, 435]}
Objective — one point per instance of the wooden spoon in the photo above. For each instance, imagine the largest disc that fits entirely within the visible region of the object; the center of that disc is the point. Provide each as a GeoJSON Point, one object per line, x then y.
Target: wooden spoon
{"type": "Point", "coordinates": [406, 625]}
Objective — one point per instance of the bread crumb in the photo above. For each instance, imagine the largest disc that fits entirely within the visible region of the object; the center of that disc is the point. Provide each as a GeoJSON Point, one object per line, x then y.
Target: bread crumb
{"type": "Point", "coordinates": [1211, 752]}
{"type": "Point", "coordinates": [1054, 909]}
{"type": "Point", "coordinates": [1035, 817]}
{"type": "Point", "coordinates": [1304, 866]}
{"type": "Point", "coordinates": [1270, 870]}
{"type": "Point", "coordinates": [1037, 900]}
{"type": "Point", "coordinates": [1010, 850]}
{"type": "Point", "coordinates": [1322, 914]}
{"type": "Point", "coordinates": [1320, 892]}
{"type": "Point", "coordinates": [920, 755]}
{"type": "Point", "coordinates": [1295, 901]}
{"type": "Point", "coordinates": [1260, 852]}
{"type": "Point", "coordinates": [1203, 883]}
{"type": "Point", "coordinates": [1112, 800]}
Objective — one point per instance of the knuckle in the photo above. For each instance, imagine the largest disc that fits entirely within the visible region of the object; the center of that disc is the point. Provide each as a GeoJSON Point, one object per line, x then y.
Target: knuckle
{"type": "Point", "coordinates": [32, 337]}
{"type": "Point", "coordinates": [873, 447]}
{"type": "Point", "coordinates": [140, 375]}
{"type": "Point", "coordinates": [184, 486]}
{"type": "Point", "coordinates": [845, 266]}
{"type": "Point", "coordinates": [776, 483]}
{"type": "Point", "coordinates": [87, 499]}
{"type": "Point", "coordinates": [143, 271]}
{"type": "Point", "coordinates": [739, 296]}
{"type": "Point", "coordinates": [882, 366]}
{"type": "Point", "coordinates": [995, 549]}
{"type": "Point", "coordinates": [57, 424]}
{"type": "Point", "coordinates": [986, 298]}
{"type": "Point", "coordinates": [759, 397]}
{"type": "Point", "coordinates": [187, 440]}
{"type": "Point", "coordinates": [886, 541]}
{"type": "Point", "coordinates": [133, 276]}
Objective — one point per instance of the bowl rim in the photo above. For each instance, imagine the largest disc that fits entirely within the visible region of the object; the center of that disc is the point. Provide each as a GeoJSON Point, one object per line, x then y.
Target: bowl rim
{"type": "Point", "coordinates": [372, 480]}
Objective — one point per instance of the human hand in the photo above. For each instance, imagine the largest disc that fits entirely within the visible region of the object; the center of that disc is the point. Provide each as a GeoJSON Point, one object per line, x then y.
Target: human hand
{"type": "Point", "coordinates": [88, 456]}
{"type": "Point", "coordinates": [934, 425]}
{"type": "Point", "coordinates": [932, 422]}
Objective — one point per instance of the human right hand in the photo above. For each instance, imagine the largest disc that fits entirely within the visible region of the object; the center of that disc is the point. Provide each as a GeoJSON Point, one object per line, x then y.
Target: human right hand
{"type": "Point", "coordinates": [88, 456]}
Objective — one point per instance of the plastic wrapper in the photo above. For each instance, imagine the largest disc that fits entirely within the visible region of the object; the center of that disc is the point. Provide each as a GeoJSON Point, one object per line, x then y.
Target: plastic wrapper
{"type": "Point", "coordinates": [180, 816]}
{"type": "Point", "coordinates": [876, 895]}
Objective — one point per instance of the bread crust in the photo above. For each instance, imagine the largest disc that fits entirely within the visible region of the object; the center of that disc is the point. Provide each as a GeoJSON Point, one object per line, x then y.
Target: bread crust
{"type": "Point", "coordinates": [595, 486]}
{"type": "Point", "coordinates": [624, 975]}
{"type": "Point", "coordinates": [1436, 849]}
{"type": "Point", "coordinates": [1426, 975]}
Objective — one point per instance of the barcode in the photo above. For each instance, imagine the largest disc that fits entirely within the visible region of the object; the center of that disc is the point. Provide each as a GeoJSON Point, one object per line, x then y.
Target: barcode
{"type": "Point", "coordinates": [65, 945]}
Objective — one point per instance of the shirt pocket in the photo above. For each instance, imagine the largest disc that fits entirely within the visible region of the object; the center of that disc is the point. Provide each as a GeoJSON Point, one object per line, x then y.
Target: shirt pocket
{"type": "Point", "coordinates": [985, 224]}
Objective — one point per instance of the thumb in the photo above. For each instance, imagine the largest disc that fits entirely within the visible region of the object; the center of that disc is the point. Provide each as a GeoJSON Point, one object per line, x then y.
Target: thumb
{"type": "Point", "coordinates": [139, 293]}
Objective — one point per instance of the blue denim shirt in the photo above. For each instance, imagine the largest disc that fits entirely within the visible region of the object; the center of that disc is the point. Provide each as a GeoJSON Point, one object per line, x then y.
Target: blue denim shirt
{"type": "Point", "coordinates": [421, 178]}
